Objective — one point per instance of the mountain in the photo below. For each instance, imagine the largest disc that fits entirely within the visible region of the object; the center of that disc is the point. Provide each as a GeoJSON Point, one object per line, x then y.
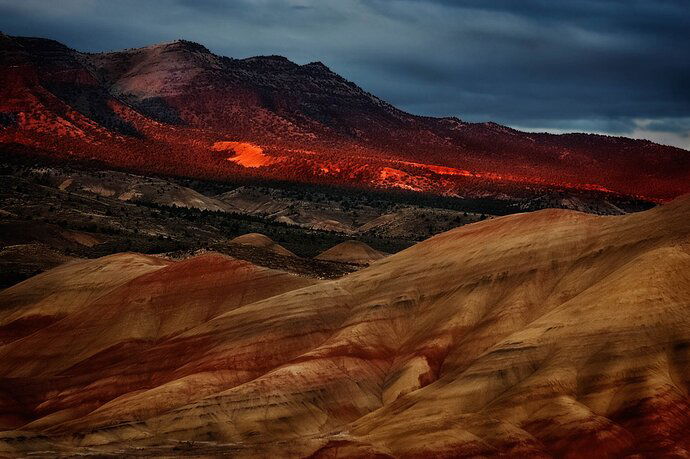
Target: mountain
{"type": "Point", "coordinates": [548, 334]}
{"type": "Point", "coordinates": [177, 109]}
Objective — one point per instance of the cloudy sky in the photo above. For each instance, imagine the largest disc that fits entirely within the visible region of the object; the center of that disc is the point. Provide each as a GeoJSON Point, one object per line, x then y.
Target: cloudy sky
{"type": "Point", "coordinates": [608, 66]}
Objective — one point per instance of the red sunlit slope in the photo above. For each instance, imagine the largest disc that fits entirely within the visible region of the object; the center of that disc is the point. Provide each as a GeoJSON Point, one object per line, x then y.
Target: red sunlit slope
{"type": "Point", "coordinates": [176, 108]}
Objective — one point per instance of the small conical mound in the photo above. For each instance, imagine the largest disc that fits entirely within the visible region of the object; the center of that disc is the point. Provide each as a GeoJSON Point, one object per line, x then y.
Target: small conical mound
{"type": "Point", "coordinates": [354, 252]}
{"type": "Point", "coordinates": [264, 242]}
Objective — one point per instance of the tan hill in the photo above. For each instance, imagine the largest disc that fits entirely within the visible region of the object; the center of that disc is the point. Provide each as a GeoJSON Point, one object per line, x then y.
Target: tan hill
{"type": "Point", "coordinates": [130, 187]}
{"type": "Point", "coordinates": [354, 252]}
{"type": "Point", "coordinates": [18, 262]}
{"type": "Point", "coordinates": [548, 334]}
{"type": "Point", "coordinates": [323, 214]}
{"type": "Point", "coordinates": [125, 304]}
{"type": "Point", "coordinates": [411, 222]}
{"type": "Point", "coordinates": [60, 292]}
{"type": "Point", "coordinates": [263, 242]}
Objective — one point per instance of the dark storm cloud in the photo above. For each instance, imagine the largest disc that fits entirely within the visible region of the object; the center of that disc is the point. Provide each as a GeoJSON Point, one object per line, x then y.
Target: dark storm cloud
{"type": "Point", "coordinates": [615, 66]}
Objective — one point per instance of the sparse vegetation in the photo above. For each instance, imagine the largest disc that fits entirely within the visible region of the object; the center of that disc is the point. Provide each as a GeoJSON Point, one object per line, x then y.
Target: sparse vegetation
{"type": "Point", "coordinates": [40, 207]}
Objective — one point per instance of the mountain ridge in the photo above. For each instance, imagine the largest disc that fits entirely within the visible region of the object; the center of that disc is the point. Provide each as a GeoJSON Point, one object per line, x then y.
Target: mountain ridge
{"type": "Point", "coordinates": [161, 108]}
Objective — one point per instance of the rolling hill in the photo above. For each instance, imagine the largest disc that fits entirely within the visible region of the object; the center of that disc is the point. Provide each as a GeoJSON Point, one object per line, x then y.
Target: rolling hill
{"type": "Point", "coordinates": [260, 240]}
{"type": "Point", "coordinates": [547, 334]}
{"type": "Point", "coordinates": [354, 252]}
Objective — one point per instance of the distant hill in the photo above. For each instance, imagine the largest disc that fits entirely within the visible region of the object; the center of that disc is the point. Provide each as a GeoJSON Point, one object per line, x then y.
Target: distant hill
{"type": "Point", "coordinates": [178, 109]}
{"type": "Point", "coordinates": [354, 252]}
{"type": "Point", "coordinates": [261, 241]}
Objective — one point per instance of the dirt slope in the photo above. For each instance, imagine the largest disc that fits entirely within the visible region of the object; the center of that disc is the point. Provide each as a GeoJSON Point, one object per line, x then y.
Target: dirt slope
{"type": "Point", "coordinates": [354, 252]}
{"type": "Point", "coordinates": [261, 241]}
{"type": "Point", "coordinates": [552, 333]}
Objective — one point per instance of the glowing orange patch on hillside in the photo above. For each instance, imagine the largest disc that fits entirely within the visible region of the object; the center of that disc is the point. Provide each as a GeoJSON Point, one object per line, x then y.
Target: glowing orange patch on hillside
{"type": "Point", "coordinates": [492, 176]}
{"type": "Point", "coordinates": [388, 172]}
{"type": "Point", "coordinates": [246, 154]}
{"type": "Point", "coordinates": [399, 179]}
{"type": "Point", "coordinates": [441, 170]}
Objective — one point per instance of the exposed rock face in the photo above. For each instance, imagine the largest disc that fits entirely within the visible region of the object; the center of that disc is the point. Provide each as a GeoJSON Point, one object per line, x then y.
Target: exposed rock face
{"type": "Point", "coordinates": [165, 108]}
{"type": "Point", "coordinates": [354, 252]}
{"type": "Point", "coordinates": [553, 333]}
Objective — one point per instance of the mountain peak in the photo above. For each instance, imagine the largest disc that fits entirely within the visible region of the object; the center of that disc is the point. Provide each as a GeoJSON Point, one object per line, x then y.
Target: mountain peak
{"type": "Point", "coordinates": [41, 51]}
{"type": "Point", "coordinates": [318, 67]}
{"type": "Point", "coordinates": [188, 45]}
{"type": "Point", "coordinates": [270, 57]}
{"type": "Point", "coordinates": [317, 64]}
{"type": "Point", "coordinates": [271, 61]}
{"type": "Point", "coordinates": [175, 45]}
